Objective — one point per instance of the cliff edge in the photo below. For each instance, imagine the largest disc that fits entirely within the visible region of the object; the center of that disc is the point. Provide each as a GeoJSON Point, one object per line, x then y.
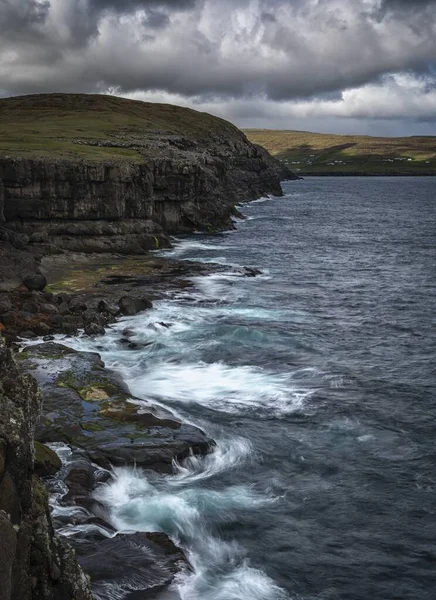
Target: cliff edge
{"type": "Point", "coordinates": [35, 564]}
{"type": "Point", "coordinates": [104, 174]}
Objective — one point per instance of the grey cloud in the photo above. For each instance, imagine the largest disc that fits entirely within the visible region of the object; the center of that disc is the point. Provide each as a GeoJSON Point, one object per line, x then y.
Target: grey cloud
{"type": "Point", "coordinates": [126, 6]}
{"type": "Point", "coordinates": [23, 15]}
{"type": "Point", "coordinates": [201, 49]}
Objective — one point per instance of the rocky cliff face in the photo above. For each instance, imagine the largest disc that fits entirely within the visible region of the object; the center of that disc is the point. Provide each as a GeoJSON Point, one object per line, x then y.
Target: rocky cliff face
{"type": "Point", "coordinates": [177, 183]}
{"type": "Point", "coordinates": [34, 563]}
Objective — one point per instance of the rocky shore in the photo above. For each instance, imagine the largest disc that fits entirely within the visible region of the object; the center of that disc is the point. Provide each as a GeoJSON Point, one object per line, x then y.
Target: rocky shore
{"type": "Point", "coordinates": [75, 237]}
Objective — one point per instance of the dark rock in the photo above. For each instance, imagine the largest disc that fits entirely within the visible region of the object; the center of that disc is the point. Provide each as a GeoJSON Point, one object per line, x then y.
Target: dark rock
{"type": "Point", "coordinates": [29, 307]}
{"type": "Point", "coordinates": [251, 272]}
{"type": "Point", "coordinates": [48, 338]}
{"type": "Point", "coordinates": [64, 309]}
{"type": "Point", "coordinates": [41, 329]}
{"type": "Point", "coordinates": [57, 321]}
{"type": "Point", "coordinates": [48, 297]}
{"type": "Point", "coordinates": [77, 306]}
{"type": "Point", "coordinates": [19, 241]}
{"type": "Point", "coordinates": [131, 306]}
{"type": "Point", "coordinates": [34, 563]}
{"type": "Point", "coordinates": [35, 282]}
{"type": "Point", "coordinates": [49, 309]}
{"type": "Point", "coordinates": [47, 462]}
{"type": "Point", "coordinates": [91, 316]}
{"type": "Point", "coordinates": [105, 307]}
{"type": "Point", "coordinates": [70, 329]}
{"type": "Point", "coordinates": [139, 563]}
{"type": "Point", "coordinates": [39, 237]}
{"type": "Point", "coordinates": [93, 329]}
{"type": "Point", "coordinates": [5, 304]}
{"type": "Point", "coordinates": [91, 408]}
{"type": "Point", "coordinates": [27, 335]}
{"type": "Point", "coordinates": [6, 318]}
{"type": "Point", "coordinates": [63, 298]}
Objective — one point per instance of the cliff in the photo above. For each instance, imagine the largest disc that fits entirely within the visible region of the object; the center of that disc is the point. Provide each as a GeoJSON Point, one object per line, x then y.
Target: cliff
{"type": "Point", "coordinates": [98, 173]}
{"type": "Point", "coordinates": [35, 563]}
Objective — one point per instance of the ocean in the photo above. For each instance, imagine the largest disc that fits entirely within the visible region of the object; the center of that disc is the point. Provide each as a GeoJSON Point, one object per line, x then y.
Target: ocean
{"type": "Point", "coordinates": [317, 380]}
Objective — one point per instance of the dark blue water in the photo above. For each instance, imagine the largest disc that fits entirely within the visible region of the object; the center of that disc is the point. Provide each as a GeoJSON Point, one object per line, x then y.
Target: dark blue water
{"type": "Point", "coordinates": [318, 381]}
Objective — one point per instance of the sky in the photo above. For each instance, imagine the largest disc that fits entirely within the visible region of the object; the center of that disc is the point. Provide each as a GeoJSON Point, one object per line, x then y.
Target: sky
{"type": "Point", "coordinates": [340, 66]}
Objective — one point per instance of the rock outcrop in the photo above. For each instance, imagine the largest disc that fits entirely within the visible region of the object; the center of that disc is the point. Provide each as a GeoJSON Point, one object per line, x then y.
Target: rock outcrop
{"type": "Point", "coordinates": [178, 182]}
{"type": "Point", "coordinates": [90, 408]}
{"type": "Point", "coordinates": [35, 564]}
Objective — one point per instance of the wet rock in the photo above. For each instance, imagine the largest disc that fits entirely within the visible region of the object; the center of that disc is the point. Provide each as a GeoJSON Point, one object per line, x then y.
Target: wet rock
{"type": "Point", "coordinates": [35, 282]}
{"type": "Point", "coordinates": [91, 408]}
{"type": "Point", "coordinates": [141, 564]}
{"type": "Point", "coordinates": [47, 462]}
{"type": "Point", "coordinates": [27, 335]}
{"type": "Point", "coordinates": [105, 307]}
{"type": "Point", "coordinates": [93, 329]}
{"type": "Point", "coordinates": [41, 329]}
{"type": "Point", "coordinates": [70, 329]}
{"type": "Point", "coordinates": [251, 272]}
{"type": "Point", "coordinates": [128, 332]}
{"type": "Point", "coordinates": [130, 306]}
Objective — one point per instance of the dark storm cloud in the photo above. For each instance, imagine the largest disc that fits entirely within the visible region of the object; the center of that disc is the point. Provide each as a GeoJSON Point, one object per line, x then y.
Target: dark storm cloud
{"type": "Point", "coordinates": [125, 6]}
{"type": "Point", "coordinates": [309, 51]}
{"type": "Point", "coordinates": [22, 15]}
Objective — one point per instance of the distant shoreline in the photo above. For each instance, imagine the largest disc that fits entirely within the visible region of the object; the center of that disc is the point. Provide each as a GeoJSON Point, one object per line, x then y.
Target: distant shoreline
{"type": "Point", "coordinates": [357, 174]}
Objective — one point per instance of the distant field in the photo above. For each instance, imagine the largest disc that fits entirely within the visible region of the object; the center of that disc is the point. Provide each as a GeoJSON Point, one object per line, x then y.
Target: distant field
{"type": "Point", "coordinates": [97, 127]}
{"type": "Point", "coordinates": [324, 154]}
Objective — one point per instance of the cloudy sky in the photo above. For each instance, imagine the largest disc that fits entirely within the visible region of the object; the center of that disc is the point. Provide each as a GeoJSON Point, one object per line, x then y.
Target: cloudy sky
{"type": "Point", "coordinates": [349, 66]}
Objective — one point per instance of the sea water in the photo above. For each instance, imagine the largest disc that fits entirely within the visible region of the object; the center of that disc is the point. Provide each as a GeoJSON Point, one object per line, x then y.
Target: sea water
{"type": "Point", "coordinates": [317, 380]}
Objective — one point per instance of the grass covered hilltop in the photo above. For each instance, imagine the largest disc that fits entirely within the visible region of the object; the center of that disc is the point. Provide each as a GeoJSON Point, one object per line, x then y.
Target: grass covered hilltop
{"type": "Point", "coordinates": [328, 154]}
{"type": "Point", "coordinates": [98, 127]}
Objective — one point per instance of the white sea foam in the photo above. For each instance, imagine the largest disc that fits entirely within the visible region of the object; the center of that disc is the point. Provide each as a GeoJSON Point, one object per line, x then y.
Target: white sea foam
{"type": "Point", "coordinates": [221, 571]}
{"type": "Point", "coordinates": [228, 454]}
{"type": "Point", "coordinates": [223, 388]}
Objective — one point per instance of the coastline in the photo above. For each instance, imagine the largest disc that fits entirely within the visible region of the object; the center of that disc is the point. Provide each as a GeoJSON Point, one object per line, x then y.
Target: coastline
{"type": "Point", "coordinates": [89, 410]}
{"type": "Point", "coordinates": [359, 174]}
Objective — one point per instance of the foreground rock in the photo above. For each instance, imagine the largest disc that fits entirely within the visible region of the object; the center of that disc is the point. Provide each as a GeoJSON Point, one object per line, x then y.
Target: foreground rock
{"type": "Point", "coordinates": [88, 407]}
{"type": "Point", "coordinates": [34, 562]}
{"type": "Point", "coordinates": [31, 313]}
{"type": "Point", "coordinates": [136, 565]}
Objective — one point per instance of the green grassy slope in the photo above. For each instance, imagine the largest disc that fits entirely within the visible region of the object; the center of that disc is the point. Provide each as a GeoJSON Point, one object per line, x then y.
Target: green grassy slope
{"type": "Point", "coordinates": [329, 154]}
{"type": "Point", "coordinates": [50, 125]}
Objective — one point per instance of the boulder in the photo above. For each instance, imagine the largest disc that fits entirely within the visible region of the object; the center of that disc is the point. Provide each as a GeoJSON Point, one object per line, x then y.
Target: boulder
{"type": "Point", "coordinates": [49, 309]}
{"type": "Point", "coordinates": [93, 329]}
{"type": "Point", "coordinates": [35, 282]}
{"type": "Point", "coordinates": [140, 564]}
{"type": "Point", "coordinates": [130, 306]}
{"type": "Point", "coordinates": [47, 462]}
{"type": "Point", "coordinates": [105, 307]}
